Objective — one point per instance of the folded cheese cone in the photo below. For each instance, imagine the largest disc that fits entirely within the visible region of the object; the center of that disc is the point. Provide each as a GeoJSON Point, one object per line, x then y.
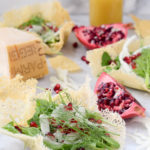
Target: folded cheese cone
{"type": "Point", "coordinates": [86, 99]}
{"type": "Point", "coordinates": [121, 74]}
{"type": "Point", "coordinates": [46, 17]}
{"type": "Point", "coordinates": [21, 53]}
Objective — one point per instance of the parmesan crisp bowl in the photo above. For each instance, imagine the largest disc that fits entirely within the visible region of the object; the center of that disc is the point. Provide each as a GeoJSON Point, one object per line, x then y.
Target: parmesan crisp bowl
{"type": "Point", "coordinates": [84, 97]}
{"type": "Point", "coordinates": [50, 11]}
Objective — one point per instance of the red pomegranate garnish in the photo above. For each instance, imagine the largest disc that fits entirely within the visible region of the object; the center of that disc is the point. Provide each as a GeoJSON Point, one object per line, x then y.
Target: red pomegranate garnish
{"type": "Point", "coordinates": [133, 65]}
{"type": "Point", "coordinates": [83, 58]}
{"type": "Point", "coordinates": [57, 88]}
{"type": "Point", "coordinates": [73, 121]}
{"type": "Point", "coordinates": [33, 124]}
{"type": "Point", "coordinates": [68, 107]}
{"type": "Point", "coordinates": [127, 60]}
{"type": "Point", "coordinates": [113, 96]}
{"type": "Point", "coordinates": [75, 44]}
{"type": "Point", "coordinates": [130, 59]}
{"type": "Point", "coordinates": [18, 128]}
{"type": "Point", "coordinates": [50, 135]}
{"type": "Point", "coordinates": [95, 37]}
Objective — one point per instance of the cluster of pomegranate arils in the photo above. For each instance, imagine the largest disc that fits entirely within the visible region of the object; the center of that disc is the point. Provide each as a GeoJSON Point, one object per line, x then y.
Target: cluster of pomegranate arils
{"type": "Point", "coordinates": [57, 88]}
{"type": "Point", "coordinates": [83, 58]}
{"type": "Point", "coordinates": [103, 36]}
{"type": "Point", "coordinates": [130, 60]}
{"type": "Point", "coordinates": [112, 97]}
{"type": "Point", "coordinates": [54, 29]}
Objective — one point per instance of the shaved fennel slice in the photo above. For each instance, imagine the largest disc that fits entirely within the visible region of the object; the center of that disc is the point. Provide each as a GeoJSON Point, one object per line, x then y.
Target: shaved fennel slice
{"type": "Point", "coordinates": [44, 123]}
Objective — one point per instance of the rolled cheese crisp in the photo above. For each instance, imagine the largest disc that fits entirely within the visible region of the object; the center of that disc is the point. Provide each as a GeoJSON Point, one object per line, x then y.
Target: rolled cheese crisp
{"type": "Point", "coordinates": [21, 53]}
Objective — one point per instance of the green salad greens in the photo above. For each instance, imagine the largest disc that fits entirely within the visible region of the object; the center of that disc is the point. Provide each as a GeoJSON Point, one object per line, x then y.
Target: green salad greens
{"type": "Point", "coordinates": [67, 126]}
{"type": "Point", "coordinates": [143, 66]}
{"type": "Point", "coordinates": [48, 32]}
{"type": "Point", "coordinates": [107, 62]}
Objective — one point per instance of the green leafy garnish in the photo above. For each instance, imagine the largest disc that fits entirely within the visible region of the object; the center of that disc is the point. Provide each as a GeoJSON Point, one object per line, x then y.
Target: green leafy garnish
{"type": "Point", "coordinates": [33, 21]}
{"type": "Point", "coordinates": [31, 131]}
{"type": "Point", "coordinates": [107, 69]}
{"type": "Point", "coordinates": [10, 127]}
{"type": "Point", "coordinates": [42, 107]}
{"type": "Point", "coordinates": [105, 59]}
{"type": "Point", "coordinates": [118, 64]}
{"type": "Point", "coordinates": [143, 66]}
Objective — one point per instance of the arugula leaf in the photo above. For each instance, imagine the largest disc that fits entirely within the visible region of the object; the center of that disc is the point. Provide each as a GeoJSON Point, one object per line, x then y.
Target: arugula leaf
{"type": "Point", "coordinates": [42, 107]}
{"type": "Point", "coordinates": [105, 59]}
{"type": "Point", "coordinates": [118, 64]}
{"type": "Point", "coordinates": [10, 127]}
{"type": "Point", "coordinates": [108, 69]}
{"type": "Point", "coordinates": [143, 66]}
{"type": "Point", "coordinates": [33, 21]}
{"type": "Point", "coordinates": [31, 131]}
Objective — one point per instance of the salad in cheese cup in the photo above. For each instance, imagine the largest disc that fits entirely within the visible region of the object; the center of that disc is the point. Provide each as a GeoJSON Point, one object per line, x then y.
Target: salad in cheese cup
{"type": "Point", "coordinates": [48, 20]}
{"type": "Point", "coordinates": [127, 61]}
{"type": "Point", "coordinates": [64, 123]}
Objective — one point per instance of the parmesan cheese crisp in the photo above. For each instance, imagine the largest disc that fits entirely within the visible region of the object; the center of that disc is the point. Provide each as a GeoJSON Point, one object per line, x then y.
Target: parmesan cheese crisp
{"type": "Point", "coordinates": [16, 99]}
{"type": "Point", "coordinates": [65, 63]}
{"type": "Point", "coordinates": [21, 53]}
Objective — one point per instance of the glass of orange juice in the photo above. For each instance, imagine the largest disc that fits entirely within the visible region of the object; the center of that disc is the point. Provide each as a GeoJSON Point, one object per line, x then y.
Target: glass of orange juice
{"type": "Point", "coordinates": [105, 12]}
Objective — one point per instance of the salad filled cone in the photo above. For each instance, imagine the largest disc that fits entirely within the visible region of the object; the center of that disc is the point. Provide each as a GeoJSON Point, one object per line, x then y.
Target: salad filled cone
{"type": "Point", "coordinates": [48, 20]}
{"type": "Point", "coordinates": [61, 123]}
{"type": "Point", "coordinates": [122, 61]}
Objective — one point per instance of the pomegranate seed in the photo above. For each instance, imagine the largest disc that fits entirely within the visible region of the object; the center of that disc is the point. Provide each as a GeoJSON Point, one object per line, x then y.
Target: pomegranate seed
{"type": "Point", "coordinates": [57, 87]}
{"type": "Point", "coordinates": [74, 28]}
{"type": "Point", "coordinates": [107, 134]}
{"type": "Point", "coordinates": [127, 60]}
{"type": "Point", "coordinates": [117, 102]}
{"type": "Point", "coordinates": [18, 129]}
{"type": "Point", "coordinates": [59, 127]}
{"type": "Point", "coordinates": [75, 44]}
{"type": "Point", "coordinates": [138, 54]}
{"type": "Point", "coordinates": [133, 65]}
{"type": "Point", "coordinates": [73, 121]}
{"type": "Point", "coordinates": [99, 121]}
{"type": "Point", "coordinates": [50, 134]}
{"type": "Point", "coordinates": [127, 101]}
{"type": "Point", "coordinates": [33, 124]}
{"type": "Point", "coordinates": [56, 29]}
{"type": "Point", "coordinates": [83, 58]}
{"type": "Point", "coordinates": [92, 119]}
{"type": "Point", "coordinates": [68, 107]}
